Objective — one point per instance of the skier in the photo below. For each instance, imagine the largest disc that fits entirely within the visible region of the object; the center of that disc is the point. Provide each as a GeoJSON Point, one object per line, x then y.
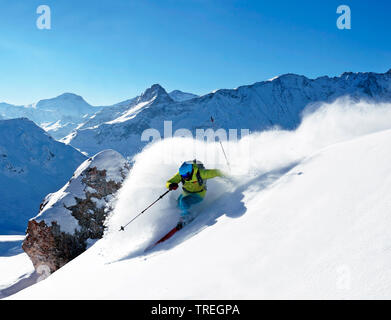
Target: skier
{"type": "Point", "coordinates": [193, 176]}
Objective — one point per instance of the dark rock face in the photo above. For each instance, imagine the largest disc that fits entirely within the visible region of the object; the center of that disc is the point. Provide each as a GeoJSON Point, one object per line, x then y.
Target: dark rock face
{"type": "Point", "coordinates": [48, 246]}
{"type": "Point", "coordinates": [51, 247]}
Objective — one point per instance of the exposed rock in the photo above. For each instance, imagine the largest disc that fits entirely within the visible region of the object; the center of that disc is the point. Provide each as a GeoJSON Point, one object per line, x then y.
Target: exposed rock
{"type": "Point", "coordinates": [50, 247]}
{"type": "Point", "coordinates": [72, 217]}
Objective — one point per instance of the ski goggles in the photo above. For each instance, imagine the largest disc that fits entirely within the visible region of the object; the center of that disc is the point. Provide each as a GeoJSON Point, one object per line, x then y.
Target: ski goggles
{"type": "Point", "coordinates": [187, 176]}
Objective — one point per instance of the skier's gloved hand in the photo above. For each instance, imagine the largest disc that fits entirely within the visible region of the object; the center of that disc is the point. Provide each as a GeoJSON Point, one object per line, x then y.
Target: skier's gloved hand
{"type": "Point", "coordinates": [173, 186]}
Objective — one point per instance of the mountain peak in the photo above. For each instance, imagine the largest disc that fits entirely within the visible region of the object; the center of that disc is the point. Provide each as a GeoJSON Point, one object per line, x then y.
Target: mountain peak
{"type": "Point", "coordinates": [388, 72]}
{"type": "Point", "coordinates": [157, 86]}
{"type": "Point", "coordinates": [156, 92]}
{"type": "Point", "coordinates": [64, 97]}
{"type": "Point", "coordinates": [68, 104]}
{"type": "Point", "coordinates": [69, 95]}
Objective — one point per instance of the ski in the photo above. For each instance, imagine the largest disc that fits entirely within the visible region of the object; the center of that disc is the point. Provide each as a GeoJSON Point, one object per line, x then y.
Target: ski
{"type": "Point", "coordinates": [168, 235]}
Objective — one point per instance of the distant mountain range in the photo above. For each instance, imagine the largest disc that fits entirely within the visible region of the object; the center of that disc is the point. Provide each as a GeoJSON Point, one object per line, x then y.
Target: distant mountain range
{"type": "Point", "coordinates": [32, 163]}
{"type": "Point", "coordinates": [61, 115]}
{"type": "Point", "coordinates": [277, 102]}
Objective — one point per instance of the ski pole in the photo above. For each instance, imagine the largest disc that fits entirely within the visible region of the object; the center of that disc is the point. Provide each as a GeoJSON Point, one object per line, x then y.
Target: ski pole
{"type": "Point", "coordinates": [222, 148]}
{"type": "Point", "coordinates": [123, 227]}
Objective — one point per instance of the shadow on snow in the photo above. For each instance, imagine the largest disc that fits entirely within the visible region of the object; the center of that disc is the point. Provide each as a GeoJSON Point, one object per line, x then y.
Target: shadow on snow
{"type": "Point", "coordinates": [230, 204]}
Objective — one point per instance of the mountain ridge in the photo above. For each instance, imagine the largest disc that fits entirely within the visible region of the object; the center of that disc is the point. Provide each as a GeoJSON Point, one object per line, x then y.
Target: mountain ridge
{"type": "Point", "coordinates": [65, 121]}
{"type": "Point", "coordinates": [259, 106]}
{"type": "Point", "coordinates": [32, 164]}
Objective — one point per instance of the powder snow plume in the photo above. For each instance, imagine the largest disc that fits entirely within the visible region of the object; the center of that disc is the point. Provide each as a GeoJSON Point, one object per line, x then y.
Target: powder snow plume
{"type": "Point", "coordinates": [265, 153]}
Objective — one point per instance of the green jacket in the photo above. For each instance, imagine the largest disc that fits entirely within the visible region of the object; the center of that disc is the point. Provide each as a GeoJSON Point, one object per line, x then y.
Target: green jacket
{"type": "Point", "coordinates": [192, 186]}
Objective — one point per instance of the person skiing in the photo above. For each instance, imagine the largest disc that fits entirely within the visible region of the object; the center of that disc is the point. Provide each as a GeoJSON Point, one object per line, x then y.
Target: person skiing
{"type": "Point", "coordinates": [193, 176]}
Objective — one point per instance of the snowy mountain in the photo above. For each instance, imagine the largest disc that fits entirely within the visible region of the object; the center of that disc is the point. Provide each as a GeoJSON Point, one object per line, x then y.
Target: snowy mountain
{"type": "Point", "coordinates": [306, 217]}
{"type": "Point", "coordinates": [112, 123]}
{"type": "Point", "coordinates": [126, 110]}
{"type": "Point", "coordinates": [76, 213]}
{"type": "Point", "coordinates": [180, 96]}
{"type": "Point", "coordinates": [59, 115]}
{"type": "Point", "coordinates": [32, 165]}
{"type": "Point", "coordinates": [277, 102]}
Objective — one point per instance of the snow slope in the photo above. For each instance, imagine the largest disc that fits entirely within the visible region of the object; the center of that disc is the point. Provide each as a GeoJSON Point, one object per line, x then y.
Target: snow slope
{"type": "Point", "coordinates": [32, 165]}
{"type": "Point", "coordinates": [263, 105]}
{"type": "Point", "coordinates": [16, 272]}
{"type": "Point", "coordinates": [178, 95]}
{"type": "Point", "coordinates": [10, 245]}
{"type": "Point", "coordinates": [309, 218]}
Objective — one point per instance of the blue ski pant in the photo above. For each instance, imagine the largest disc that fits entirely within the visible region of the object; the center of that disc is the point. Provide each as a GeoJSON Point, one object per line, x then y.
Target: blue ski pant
{"type": "Point", "coordinates": [185, 201]}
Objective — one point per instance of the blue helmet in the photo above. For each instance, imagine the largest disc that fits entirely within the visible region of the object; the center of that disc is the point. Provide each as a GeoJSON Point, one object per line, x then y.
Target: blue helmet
{"type": "Point", "coordinates": [186, 170]}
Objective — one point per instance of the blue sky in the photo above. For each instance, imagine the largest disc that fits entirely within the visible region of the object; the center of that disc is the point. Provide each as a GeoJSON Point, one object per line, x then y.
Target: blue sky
{"type": "Point", "coordinates": [108, 51]}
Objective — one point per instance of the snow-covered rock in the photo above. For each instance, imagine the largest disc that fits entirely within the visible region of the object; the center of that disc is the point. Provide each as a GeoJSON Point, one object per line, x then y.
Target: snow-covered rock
{"type": "Point", "coordinates": [278, 102]}
{"type": "Point", "coordinates": [32, 164]}
{"type": "Point", "coordinates": [73, 217]}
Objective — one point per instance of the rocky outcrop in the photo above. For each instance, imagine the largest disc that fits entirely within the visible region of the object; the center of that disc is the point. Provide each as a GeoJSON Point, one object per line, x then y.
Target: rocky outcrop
{"type": "Point", "coordinates": [73, 218]}
{"type": "Point", "coordinates": [49, 246]}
